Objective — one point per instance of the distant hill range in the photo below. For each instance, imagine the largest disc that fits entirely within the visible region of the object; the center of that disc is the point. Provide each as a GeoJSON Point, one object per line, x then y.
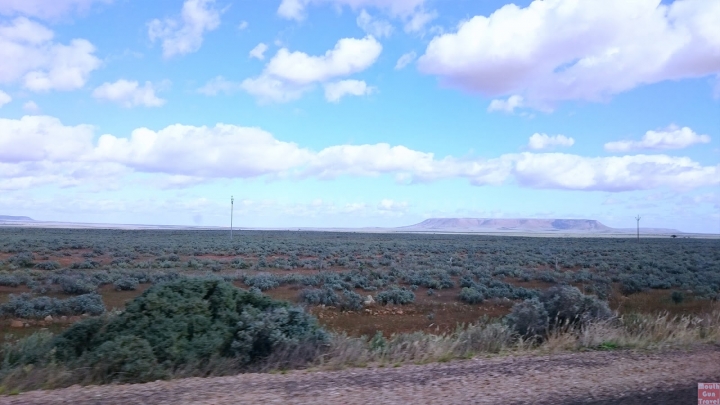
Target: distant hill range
{"type": "Point", "coordinates": [12, 218]}
{"type": "Point", "coordinates": [522, 225]}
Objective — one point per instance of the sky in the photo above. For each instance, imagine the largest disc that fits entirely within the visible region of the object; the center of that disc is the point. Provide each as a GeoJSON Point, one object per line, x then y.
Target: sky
{"type": "Point", "coordinates": [355, 113]}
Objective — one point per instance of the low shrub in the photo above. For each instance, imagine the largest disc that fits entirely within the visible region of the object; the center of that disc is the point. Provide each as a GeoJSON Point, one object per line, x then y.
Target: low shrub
{"type": "Point", "coordinates": [181, 326]}
{"type": "Point", "coordinates": [320, 296]}
{"type": "Point", "coordinates": [28, 307]}
{"type": "Point", "coordinates": [126, 284]}
{"type": "Point", "coordinates": [76, 285]}
{"type": "Point", "coordinates": [395, 295]}
{"type": "Point", "coordinates": [48, 265]}
{"type": "Point", "coordinates": [470, 295]}
{"type": "Point", "coordinates": [528, 318]}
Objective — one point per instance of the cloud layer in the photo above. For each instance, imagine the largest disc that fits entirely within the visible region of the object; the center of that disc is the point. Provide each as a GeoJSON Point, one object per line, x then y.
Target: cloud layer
{"type": "Point", "coordinates": [37, 149]}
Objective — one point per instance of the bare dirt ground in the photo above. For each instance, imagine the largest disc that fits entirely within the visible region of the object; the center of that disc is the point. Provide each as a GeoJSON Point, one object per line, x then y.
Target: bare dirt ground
{"type": "Point", "coordinates": [613, 377]}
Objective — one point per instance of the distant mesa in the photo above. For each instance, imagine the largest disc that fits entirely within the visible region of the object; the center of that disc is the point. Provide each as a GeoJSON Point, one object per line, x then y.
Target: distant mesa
{"type": "Point", "coordinates": [517, 225]}
{"type": "Point", "coordinates": [13, 218]}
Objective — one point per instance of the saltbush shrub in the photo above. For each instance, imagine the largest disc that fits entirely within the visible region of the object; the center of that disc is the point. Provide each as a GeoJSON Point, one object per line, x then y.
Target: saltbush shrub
{"type": "Point", "coordinates": [126, 284]}
{"type": "Point", "coordinates": [53, 265]}
{"type": "Point", "coordinates": [185, 324]}
{"type": "Point", "coordinates": [397, 296]}
{"type": "Point", "coordinates": [470, 295]}
{"type": "Point", "coordinates": [528, 318]}
{"type": "Point", "coordinates": [76, 285]}
{"type": "Point", "coordinates": [567, 305]}
{"type": "Point", "coordinates": [320, 296]}
{"type": "Point", "coordinates": [29, 307]}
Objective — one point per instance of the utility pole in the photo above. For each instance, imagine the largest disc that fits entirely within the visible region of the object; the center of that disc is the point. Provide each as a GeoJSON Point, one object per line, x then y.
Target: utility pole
{"type": "Point", "coordinates": [637, 218]}
{"type": "Point", "coordinates": [232, 200]}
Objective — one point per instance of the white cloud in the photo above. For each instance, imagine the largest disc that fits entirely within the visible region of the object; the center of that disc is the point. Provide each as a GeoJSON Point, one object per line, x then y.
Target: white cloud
{"type": "Point", "coordinates": [129, 94]}
{"type": "Point", "coordinates": [507, 106]}
{"type": "Point", "coordinates": [290, 74]}
{"type": "Point", "coordinates": [4, 98]}
{"type": "Point", "coordinates": [419, 19]}
{"type": "Point", "coordinates": [337, 90]}
{"type": "Point", "coordinates": [46, 9]}
{"type": "Point", "coordinates": [31, 107]}
{"type": "Point", "coordinates": [405, 60]}
{"type": "Point", "coordinates": [259, 51]}
{"type": "Point", "coordinates": [672, 137]}
{"type": "Point", "coordinates": [295, 9]}
{"type": "Point", "coordinates": [388, 205]}
{"type": "Point", "coordinates": [350, 55]}
{"type": "Point", "coordinates": [638, 172]}
{"type": "Point", "coordinates": [242, 25]}
{"type": "Point", "coordinates": [557, 50]}
{"type": "Point", "coordinates": [543, 141]}
{"type": "Point", "coordinates": [220, 151]}
{"type": "Point", "coordinates": [219, 85]}
{"type": "Point", "coordinates": [270, 89]}
{"type": "Point", "coordinates": [40, 149]}
{"type": "Point", "coordinates": [374, 26]}
{"type": "Point", "coordinates": [37, 138]}
{"type": "Point", "coordinates": [29, 55]}
{"type": "Point", "coordinates": [185, 36]}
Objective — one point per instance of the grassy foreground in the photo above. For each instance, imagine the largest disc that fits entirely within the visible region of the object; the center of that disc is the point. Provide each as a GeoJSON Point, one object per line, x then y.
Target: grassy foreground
{"type": "Point", "coordinates": [232, 331]}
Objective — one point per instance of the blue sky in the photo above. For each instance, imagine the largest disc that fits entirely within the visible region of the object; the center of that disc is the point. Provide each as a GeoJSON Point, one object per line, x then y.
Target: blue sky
{"type": "Point", "coordinates": [349, 113]}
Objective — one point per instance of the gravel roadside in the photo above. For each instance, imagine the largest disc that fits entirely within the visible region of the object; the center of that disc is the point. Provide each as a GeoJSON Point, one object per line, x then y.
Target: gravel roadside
{"type": "Point", "coordinates": [593, 378]}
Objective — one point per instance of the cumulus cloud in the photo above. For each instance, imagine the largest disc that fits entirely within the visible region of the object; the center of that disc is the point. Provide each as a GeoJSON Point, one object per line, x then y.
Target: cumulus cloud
{"type": "Point", "coordinates": [405, 60]}
{"type": "Point", "coordinates": [558, 50]}
{"type": "Point", "coordinates": [507, 106]}
{"type": "Point", "coordinates": [374, 26]}
{"type": "Point", "coordinates": [44, 9]}
{"type": "Point", "coordinates": [337, 90]}
{"type": "Point", "coordinates": [129, 94]}
{"type": "Point", "coordinates": [29, 55]}
{"type": "Point", "coordinates": [543, 141]}
{"type": "Point", "coordinates": [290, 74]}
{"type": "Point", "coordinates": [259, 51]}
{"type": "Point", "coordinates": [38, 149]}
{"type": "Point", "coordinates": [4, 98]}
{"type": "Point", "coordinates": [220, 151]}
{"type": "Point", "coordinates": [38, 138]}
{"type": "Point", "coordinates": [180, 37]}
{"type": "Point", "coordinates": [672, 137]}
{"type": "Point", "coordinates": [219, 85]}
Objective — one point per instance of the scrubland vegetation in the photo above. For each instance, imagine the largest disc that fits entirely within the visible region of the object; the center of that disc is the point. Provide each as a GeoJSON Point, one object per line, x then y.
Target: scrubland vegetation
{"type": "Point", "coordinates": [99, 306]}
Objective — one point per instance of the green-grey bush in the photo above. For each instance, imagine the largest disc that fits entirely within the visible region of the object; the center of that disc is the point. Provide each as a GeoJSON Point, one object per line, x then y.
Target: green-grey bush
{"type": "Point", "coordinates": [126, 284]}
{"type": "Point", "coordinates": [529, 318]}
{"type": "Point", "coordinates": [182, 325]}
{"type": "Point", "coordinates": [470, 295]}
{"type": "Point", "coordinates": [567, 305]}
{"type": "Point", "coordinates": [395, 295]}
{"type": "Point", "coordinates": [29, 307]}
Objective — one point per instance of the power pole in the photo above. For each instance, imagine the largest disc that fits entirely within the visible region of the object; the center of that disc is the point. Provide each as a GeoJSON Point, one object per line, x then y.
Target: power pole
{"type": "Point", "coordinates": [637, 218]}
{"type": "Point", "coordinates": [232, 200]}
